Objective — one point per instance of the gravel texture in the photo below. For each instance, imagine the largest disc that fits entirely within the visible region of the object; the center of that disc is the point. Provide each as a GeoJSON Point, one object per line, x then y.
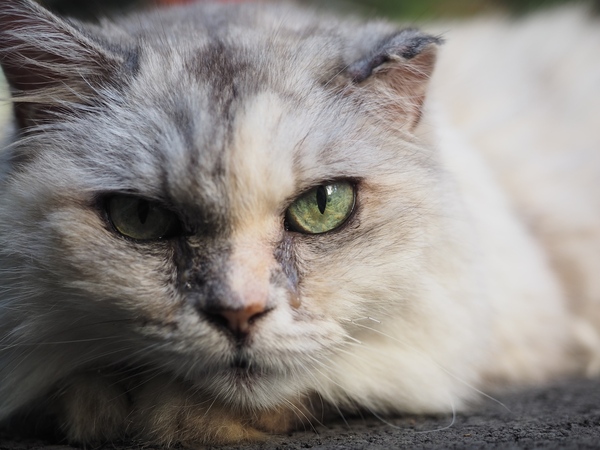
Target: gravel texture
{"type": "Point", "coordinates": [561, 416]}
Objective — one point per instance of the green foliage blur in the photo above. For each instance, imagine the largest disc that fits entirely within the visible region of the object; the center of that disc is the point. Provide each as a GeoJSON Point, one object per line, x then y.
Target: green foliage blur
{"type": "Point", "coordinates": [436, 9]}
{"type": "Point", "coordinates": [406, 9]}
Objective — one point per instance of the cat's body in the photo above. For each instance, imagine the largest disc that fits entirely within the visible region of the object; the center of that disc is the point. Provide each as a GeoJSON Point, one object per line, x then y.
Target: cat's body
{"type": "Point", "coordinates": [431, 289]}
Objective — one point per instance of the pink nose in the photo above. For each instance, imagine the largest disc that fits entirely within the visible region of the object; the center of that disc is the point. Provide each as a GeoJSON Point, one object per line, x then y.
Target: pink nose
{"type": "Point", "coordinates": [240, 320]}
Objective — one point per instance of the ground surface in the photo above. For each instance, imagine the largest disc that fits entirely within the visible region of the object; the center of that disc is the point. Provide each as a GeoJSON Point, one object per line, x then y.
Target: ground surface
{"type": "Point", "coordinates": [562, 416]}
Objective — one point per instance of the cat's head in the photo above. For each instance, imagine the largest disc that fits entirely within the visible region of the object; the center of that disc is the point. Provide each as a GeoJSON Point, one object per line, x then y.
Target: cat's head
{"type": "Point", "coordinates": [219, 192]}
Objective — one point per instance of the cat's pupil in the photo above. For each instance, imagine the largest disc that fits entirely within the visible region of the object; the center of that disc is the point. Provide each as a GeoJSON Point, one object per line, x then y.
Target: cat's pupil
{"type": "Point", "coordinates": [321, 198]}
{"type": "Point", "coordinates": [143, 211]}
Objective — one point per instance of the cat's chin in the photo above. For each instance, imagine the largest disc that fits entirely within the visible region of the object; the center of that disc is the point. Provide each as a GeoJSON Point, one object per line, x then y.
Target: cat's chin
{"type": "Point", "coordinates": [251, 388]}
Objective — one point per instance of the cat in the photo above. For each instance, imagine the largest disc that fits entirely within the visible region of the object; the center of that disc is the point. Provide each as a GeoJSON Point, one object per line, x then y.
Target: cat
{"type": "Point", "coordinates": [221, 221]}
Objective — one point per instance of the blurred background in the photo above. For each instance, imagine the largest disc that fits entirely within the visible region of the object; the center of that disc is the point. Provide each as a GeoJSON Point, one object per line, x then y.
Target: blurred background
{"type": "Point", "coordinates": [413, 10]}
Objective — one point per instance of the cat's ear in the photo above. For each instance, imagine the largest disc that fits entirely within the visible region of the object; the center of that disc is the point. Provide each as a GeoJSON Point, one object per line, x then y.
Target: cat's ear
{"type": "Point", "coordinates": [48, 62]}
{"type": "Point", "coordinates": [396, 73]}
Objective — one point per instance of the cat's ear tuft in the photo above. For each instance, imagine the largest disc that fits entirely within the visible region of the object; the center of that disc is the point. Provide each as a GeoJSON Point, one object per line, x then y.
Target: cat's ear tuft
{"type": "Point", "coordinates": [47, 60]}
{"type": "Point", "coordinates": [398, 70]}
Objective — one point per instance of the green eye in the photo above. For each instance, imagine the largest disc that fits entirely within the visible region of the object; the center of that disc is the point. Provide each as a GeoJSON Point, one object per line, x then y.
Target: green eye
{"type": "Point", "coordinates": [140, 219]}
{"type": "Point", "coordinates": [322, 209]}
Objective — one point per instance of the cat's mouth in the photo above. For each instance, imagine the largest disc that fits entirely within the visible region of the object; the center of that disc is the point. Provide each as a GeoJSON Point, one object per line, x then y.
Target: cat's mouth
{"type": "Point", "coordinates": [240, 363]}
{"type": "Point", "coordinates": [246, 376]}
{"type": "Point", "coordinates": [249, 381]}
{"type": "Point", "coordinates": [244, 371]}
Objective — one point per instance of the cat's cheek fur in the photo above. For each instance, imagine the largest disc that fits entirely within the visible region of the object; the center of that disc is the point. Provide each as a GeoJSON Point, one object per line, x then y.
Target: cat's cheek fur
{"type": "Point", "coordinates": [94, 255]}
{"type": "Point", "coordinates": [400, 328]}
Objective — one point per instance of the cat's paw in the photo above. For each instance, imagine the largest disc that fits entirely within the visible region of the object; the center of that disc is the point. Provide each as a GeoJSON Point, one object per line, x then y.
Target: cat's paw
{"type": "Point", "coordinates": [97, 409]}
{"type": "Point", "coordinates": [94, 409]}
{"type": "Point", "coordinates": [285, 419]}
{"type": "Point", "coordinates": [170, 413]}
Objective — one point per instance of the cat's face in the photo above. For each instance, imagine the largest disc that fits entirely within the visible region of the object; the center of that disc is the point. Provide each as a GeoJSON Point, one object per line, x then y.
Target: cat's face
{"type": "Point", "coordinates": [223, 132]}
